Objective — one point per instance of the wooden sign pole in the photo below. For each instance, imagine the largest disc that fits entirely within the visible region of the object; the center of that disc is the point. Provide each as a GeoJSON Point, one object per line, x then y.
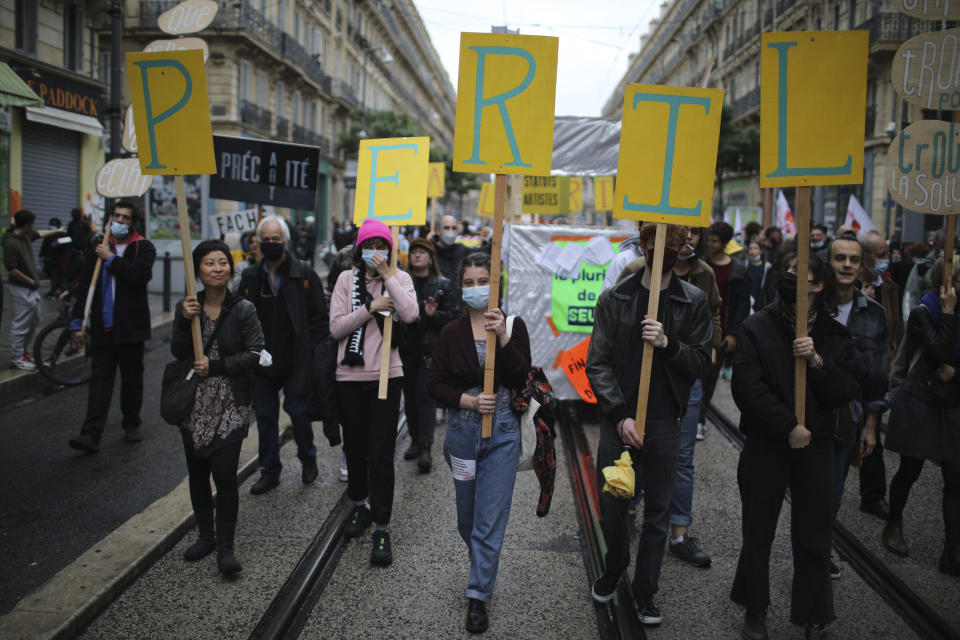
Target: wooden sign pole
{"type": "Point", "coordinates": [499, 200]}
{"type": "Point", "coordinates": [803, 267]}
{"type": "Point", "coordinates": [388, 322]}
{"type": "Point", "coordinates": [184, 221]}
{"type": "Point", "coordinates": [96, 274]}
{"type": "Point", "coordinates": [433, 216]}
{"type": "Point", "coordinates": [653, 308]}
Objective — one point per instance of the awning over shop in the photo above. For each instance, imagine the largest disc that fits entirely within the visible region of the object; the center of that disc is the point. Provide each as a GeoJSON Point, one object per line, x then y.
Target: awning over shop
{"type": "Point", "coordinates": [65, 120]}
{"type": "Point", "coordinates": [14, 92]}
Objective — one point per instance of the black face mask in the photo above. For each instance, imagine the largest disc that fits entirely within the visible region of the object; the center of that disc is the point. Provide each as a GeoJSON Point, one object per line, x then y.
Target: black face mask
{"type": "Point", "coordinates": [787, 287]}
{"type": "Point", "coordinates": [272, 251]}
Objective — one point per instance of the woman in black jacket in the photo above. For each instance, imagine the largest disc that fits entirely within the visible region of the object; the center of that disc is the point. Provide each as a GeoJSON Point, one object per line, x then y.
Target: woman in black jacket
{"type": "Point", "coordinates": [925, 411]}
{"type": "Point", "coordinates": [437, 300]}
{"type": "Point", "coordinates": [218, 422]}
{"type": "Point", "coordinates": [780, 452]}
{"type": "Point", "coordinates": [484, 469]}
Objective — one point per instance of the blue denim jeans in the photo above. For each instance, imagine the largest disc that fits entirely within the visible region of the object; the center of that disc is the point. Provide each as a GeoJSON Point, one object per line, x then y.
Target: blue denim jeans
{"type": "Point", "coordinates": [681, 509]}
{"type": "Point", "coordinates": [266, 405]}
{"type": "Point", "coordinates": [484, 472]}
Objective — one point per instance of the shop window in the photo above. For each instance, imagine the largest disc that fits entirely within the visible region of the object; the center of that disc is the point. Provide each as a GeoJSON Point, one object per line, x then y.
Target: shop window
{"type": "Point", "coordinates": [27, 23]}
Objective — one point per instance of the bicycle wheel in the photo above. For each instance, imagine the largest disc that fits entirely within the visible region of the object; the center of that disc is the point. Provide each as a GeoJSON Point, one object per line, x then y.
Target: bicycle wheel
{"type": "Point", "coordinates": [58, 358]}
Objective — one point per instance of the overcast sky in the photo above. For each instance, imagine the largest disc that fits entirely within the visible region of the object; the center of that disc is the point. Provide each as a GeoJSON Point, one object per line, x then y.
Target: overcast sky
{"type": "Point", "coordinates": [595, 39]}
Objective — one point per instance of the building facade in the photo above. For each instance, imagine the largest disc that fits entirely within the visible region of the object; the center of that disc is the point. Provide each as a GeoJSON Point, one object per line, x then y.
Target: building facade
{"type": "Point", "coordinates": [693, 38]}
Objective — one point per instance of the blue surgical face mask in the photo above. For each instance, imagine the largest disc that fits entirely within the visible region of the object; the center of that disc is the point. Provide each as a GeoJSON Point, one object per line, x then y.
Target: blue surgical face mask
{"type": "Point", "coordinates": [119, 229]}
{"type": "Point", "coordinates": [477, 297]}
{"type": "Point", "coordinates": [816, 245]}
{"type": "Point", "coordinates": [367, 255]}
{"type": "Point", "coordinates": [882, 265]}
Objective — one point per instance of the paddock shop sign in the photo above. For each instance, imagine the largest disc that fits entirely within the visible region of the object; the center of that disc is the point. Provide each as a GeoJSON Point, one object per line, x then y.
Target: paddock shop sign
{"type": "Point", "coordinates": [269, 173]}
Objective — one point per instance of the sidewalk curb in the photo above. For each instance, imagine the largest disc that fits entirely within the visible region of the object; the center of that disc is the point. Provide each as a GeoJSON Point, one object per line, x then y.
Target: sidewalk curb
{"type": "Point", "coordinates": [64, 605]}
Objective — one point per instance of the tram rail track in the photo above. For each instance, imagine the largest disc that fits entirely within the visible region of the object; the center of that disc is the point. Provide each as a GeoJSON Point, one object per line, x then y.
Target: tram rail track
{"type": "Point", "coordinates": [911, 608]}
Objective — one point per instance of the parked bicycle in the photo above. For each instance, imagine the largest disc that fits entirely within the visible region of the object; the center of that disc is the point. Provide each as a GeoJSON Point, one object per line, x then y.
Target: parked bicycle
{"type": "Point", "coordinates": [57, 356]}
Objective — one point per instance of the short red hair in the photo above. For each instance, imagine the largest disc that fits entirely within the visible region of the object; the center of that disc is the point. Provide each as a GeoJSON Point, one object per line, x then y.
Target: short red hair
{"type": "Point", "coordinates": [676, 234]}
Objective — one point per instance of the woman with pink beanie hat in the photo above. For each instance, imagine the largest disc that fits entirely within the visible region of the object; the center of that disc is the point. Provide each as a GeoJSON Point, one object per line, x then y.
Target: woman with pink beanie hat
{"type": "Point", "coordinates": [362, 298]}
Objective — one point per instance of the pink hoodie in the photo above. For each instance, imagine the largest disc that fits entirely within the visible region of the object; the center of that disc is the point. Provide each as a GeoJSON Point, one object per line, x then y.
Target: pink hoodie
{"type": "Point", "coordinates": [344, 321]}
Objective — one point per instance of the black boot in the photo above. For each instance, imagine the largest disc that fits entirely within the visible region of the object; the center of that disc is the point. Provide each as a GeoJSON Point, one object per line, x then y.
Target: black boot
{"type": "Point", "coordinates": [425, 463]}
{"type": "Point", "coordinates": [755, 625]}
{"type": "Point", "coordinates": [207, 540]}
{"type": "Point", "coordinates": [227, 564]}
{"type": "Point", "coordinates": [412, 451]}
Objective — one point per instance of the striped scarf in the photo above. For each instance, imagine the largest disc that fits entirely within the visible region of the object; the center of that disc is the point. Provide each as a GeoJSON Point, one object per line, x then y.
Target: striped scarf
{"type": "Point", "coordinates": [353, 356]}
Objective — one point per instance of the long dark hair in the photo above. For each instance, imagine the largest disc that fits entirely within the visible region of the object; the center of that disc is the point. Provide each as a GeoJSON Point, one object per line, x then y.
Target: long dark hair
{"type": "Point", "coordinates": [822, 271]}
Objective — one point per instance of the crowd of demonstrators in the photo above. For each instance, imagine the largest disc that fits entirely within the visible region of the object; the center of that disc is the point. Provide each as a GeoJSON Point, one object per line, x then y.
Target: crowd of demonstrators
{"type": "Point", "coordinates": [362, 299]}
{"type": "Point", "coordinates": [773, 251]}
{"type": "Point", "coordinates": [761, 277]}
{"type": "Point", "coordinates": [449, 252]}
{"type": "Point", "coordinates": [437, 302]}
{"type": "Point", "coordinates": [24, 281]}
{"type": "Point", "coordinates": [682, 336]}
{"type": "Point", "coordinates": [290, 304]}
{"type": "Point", "coordinates": [484, 469]}
{"type": "Point", "coordinates": [220, 416]}
{"type": "Point", "coordinates": [119, 325]}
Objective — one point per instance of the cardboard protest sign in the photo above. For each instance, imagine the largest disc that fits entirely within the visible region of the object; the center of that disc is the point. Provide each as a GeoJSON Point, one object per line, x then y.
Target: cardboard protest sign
{"type": "Point", "coordinates": [171, 112]}
{"type": "Point", "coordinates": [549, 195]}
{"type": "Point", "coordinates": [603, 194]}
{"type": "Point", "coordinates": [576, 194]}
{"type": "Point", "coordinates": [918, 68]}
{"type": "Point", "coordinates": [237, 221]}
{"type": "Point", "coordinates": [807, 136]}
{"type": "Point", "coordinates": [121, 178]}
{"type": "Point", "coordinates": [939, 10]}
{"type": "Point", "coordinates": [436, 181]}
{"type": "Point", "coordinates": [573, 300]}
{"type": "Point", "coordinates": [505, 101]}
{"type": "Point", "coordinates": [129, 139]}
{"type": "Point", "coordinates": [392, 181]}
{"type": "Point", "coordinates": [485, 201]}
{"type": "Point", "coordinates": [923, 166]}
{"type": "Point", "coordinates": [265, 172]}
{"type": "Point", "coordinates": [574, 363]}
{"type": "Point", "coordinates": [668, 154]}
{"type": "Point", "coordinates": [180, 44]}
{"type": "Point", "coordinates": [189, 16]}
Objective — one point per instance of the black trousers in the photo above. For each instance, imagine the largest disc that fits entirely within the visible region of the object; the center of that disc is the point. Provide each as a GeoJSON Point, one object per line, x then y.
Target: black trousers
{"type": "Point", "coordinates": [765, 471]}
{"type": "Point", "coordinates": [222, 464]}
{"type": "Point", "coordinates": [656, 464]}
{"type": "Point", "coordinates": [903, 480]}
{"type": "Point", "coordinates": [873, 475]}
{"type": "Point", "coordinates": [369, 441]}
{"type": "Point", "coordinates": [420, 408]}
{"type": "Point", "coordinates": [105, 360]}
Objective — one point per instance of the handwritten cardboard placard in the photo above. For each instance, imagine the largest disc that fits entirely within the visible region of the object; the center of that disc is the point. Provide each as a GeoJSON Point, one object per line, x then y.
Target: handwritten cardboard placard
{"type": "Point", "coordinates": [392, 181]}
{"type": "Point", "coordinates": [813, 100]}
{"type": "Point", "coordinates": [923, 166]}
{"type": "Point", "coordinates": [237, 221]}
{"type": "Point", "coordinates": [436, 181]}
{"type": "Point", "coordinates": [180, 44]}
{"type": "Point", "coordinates": [189, 16]}
{"type": "Point", "coordinates": [121, 178]}
{"type": "Point", "coordinates": [549, 195]}
{"type": "Point", "coordinates": [936, 10]}
{"type": "Point", "coordinates": [574, 363]}
{"type": "Point", "coordinates": [129, 139]}
{"type": "Point", "coordinates": [171, 113]}
{"type": "Point", "coordinates": [668, 154]}
{"type": "Point", "coordinates": [926, 70]}
{"type": "Point", "coordinates": [505, 101]}
{"type": "Point", "coordinates": [603, 194]}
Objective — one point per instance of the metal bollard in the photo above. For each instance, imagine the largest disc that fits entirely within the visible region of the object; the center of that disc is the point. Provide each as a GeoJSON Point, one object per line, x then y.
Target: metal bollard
{"type": "Point", "coordinates": [166, 281]}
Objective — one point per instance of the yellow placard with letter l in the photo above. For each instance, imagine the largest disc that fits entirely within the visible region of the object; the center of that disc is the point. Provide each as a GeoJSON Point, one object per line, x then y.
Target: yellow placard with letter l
{"type": "Point", "coordinates": [603, 194]}
{"type": "Point", "coordinates": [171, 112]}
{"type": "Point", "coordinates": [813, 101]}
{"type": "Point", "coordinates": [505, 101]}
{"type": "Point", "coordinates": [436, 185]}
{"type": "Point", "coordinates": [485, 202]}
{"type": "Point", "coordinates": [576, 194]}
{"type": "Point", "coordinates": [668, 154]}
{"type": "Point", "coordinates": [392, 181]}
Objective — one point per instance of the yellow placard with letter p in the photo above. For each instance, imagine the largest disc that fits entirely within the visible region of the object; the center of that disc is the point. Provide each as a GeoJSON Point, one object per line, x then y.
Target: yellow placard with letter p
{"type": "Point", "coordinates": [392, 181]}
{"type": "Point", "coordinates": [813, 100]}
{"type": "Point", "coordinates": [171, 112]}
{"type": "Point", "coordinates": [505, 103]}
{"type": "Point", "coordinates": [436, 181]}
{"type": "Point", "coordinates": [668, 154]}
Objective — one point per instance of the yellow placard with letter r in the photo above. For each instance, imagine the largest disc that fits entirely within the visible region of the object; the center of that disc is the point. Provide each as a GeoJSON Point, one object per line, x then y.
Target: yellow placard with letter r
{"type": "Point", "coordinates": [171, 112]}
{"type": "Point", "coordinates": [505, 101]}
{"type": "Point", "coordinates": [436, 181]}
{"type": "Point", "coordinates": [392, 181]}
{"type": "Point", "coordinates": [668, 154]}
{"type": "Point", "coordinates": [813, 101]}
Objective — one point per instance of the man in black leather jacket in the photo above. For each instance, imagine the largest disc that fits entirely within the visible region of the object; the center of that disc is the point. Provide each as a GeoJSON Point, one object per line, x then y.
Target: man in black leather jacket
{"type": "Point", "coordinates": [682, 336]}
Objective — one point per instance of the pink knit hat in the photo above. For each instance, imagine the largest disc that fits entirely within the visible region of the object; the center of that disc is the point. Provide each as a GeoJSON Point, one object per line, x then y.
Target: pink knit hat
{"type": "Point", "coordinates": [372, 228]}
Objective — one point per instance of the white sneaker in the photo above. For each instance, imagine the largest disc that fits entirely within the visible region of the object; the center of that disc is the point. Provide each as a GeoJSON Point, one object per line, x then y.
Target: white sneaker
{"type": "Point", "coordinates": [344, 476]}
{"type": "Point", "coordinates": [23, 363]}
{"type": "Point", "coordinates": [700, 428]}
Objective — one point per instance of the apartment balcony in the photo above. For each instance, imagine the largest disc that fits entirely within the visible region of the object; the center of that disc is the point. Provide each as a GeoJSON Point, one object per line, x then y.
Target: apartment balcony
{"type": "Point", "coordinates": [283, 128]}
{"type": "Point", "coordinates": [255, 116]}
{"type": "Point", "coordinates": [342, 91]}
{"type": "Point", "coordinates": [893, 28]}
{"type": "Point", "coordinates": [746, 103]}
{"type": "Point", "coordinates": [302, 135]}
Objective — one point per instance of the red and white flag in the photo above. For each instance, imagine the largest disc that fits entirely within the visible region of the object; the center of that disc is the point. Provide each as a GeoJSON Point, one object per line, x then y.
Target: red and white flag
{"type": "Point", "coordinates": [785, 216]}
{"type": "Point", "coordinates": [857, 217]}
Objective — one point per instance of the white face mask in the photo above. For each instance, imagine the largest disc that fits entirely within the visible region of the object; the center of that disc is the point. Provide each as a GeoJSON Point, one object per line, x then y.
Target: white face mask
{"type": "Point", "coordinates": [448, 237]}
{"type": "Point", "coordinates": [119, 229]}
{"type": "Point", "coordinates": [477, 297]}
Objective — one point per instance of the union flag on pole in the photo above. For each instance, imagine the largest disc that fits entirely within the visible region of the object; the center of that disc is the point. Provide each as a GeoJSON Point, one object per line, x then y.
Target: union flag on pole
{"type": "Point", "coordinates": [857, 217]}
{"type": "Point", "coordinates": [785, 216]}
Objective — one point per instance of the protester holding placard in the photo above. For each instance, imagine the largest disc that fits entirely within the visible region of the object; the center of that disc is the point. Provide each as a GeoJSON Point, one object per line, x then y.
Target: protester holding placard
{"type": "Point", "coordinates": [289, 299]}
{"type": "Point", "coordinates": [119, 325]}
{"type": "Point", "coordinates": [484, 469]}
{"type": "Point", "coordinates": [218, 421]}
{"type": "Point", "coordinates": [361, 300]}
{"type": "Point", "coordinates": [781, 453]}
{"type": "Point", "coordinates": [437, 300]}
{"type": "Point", "coordinates": [449, 251]}
{"type": "Point", "coordinates": [682, 336]}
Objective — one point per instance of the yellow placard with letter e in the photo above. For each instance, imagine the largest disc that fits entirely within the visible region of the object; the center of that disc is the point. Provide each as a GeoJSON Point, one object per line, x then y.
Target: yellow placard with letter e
{"type": "Point", "coordinates": [436, 181]}
{"type": "Point", "coordinates": [505, 102]}
{"type": "Point", "coordinates": [392, 181]}
{"type": "Point", "coordinates": [171, 112]}
{"type": "Point", "coordinates": [668, 154]}
{"type": "Point", "coordinates": [813, 101]}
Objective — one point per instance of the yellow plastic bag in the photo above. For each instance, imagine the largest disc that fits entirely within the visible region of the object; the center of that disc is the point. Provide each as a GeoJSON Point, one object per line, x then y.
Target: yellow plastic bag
{"type": "Point", "coordinates": [620, 479]}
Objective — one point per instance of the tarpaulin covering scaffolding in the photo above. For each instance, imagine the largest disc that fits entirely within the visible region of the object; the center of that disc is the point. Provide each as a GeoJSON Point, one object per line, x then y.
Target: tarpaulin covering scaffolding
{"type": "Point", "coordinates": [585, 146]}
